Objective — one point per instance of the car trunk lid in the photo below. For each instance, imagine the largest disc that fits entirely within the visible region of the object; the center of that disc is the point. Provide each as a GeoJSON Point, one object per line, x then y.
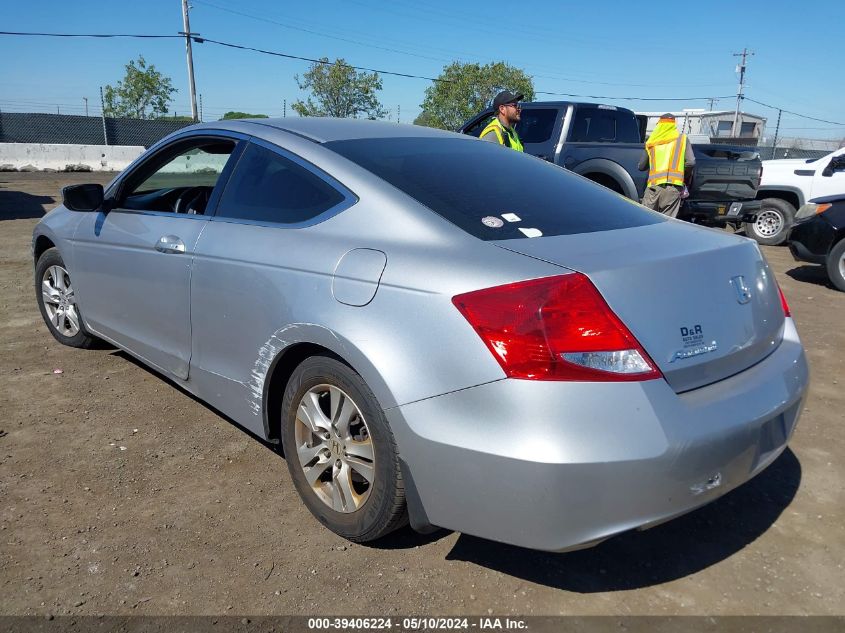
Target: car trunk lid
{"type": "Point", "coordinates": [703, 304]}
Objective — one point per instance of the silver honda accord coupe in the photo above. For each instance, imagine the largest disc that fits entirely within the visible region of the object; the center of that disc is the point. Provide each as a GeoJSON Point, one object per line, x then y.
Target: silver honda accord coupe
{"type": "Point", "coordinates": [437, 330]}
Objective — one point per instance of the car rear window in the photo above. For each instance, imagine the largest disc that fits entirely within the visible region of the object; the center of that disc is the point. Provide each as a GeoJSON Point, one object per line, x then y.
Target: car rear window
{"type": "Point", "coordinates": [493, 192]}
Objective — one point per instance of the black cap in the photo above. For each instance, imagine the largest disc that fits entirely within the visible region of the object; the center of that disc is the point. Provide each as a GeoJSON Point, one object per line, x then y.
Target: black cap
{"type": "Point", "coordinates": [668, 115]}
{"type": "Point", "coordinates": [505, 97]}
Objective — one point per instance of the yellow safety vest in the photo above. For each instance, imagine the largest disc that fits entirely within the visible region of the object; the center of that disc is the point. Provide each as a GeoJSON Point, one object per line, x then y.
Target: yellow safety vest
{"type": "Point", "coordinates": [505, 135]}
{"type": "Point", "coordinates": [666, 161]}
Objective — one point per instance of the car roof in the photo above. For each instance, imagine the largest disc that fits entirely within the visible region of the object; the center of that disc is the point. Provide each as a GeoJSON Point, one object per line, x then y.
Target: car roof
{"type": "Point", "coordinates": [563, 104]}
{"type": "Point", "coordinates": [325, 129]}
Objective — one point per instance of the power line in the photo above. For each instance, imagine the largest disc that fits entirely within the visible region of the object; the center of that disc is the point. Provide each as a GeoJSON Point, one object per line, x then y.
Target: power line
{"type": "Point", "coordinates": [436, 79]}
{"type": "Point", "coordinates": [98, 35]}
{"type": "Point", "coordinates": [200, 40]}
{"type": "Point", "coordinates": [569, 94]}
{"type": "Point", "coordinates": [315, 32]}
{"type": "Point", "coordinates": [803, 116]}
{"type": "Point", "coordinates": [269, 20]}
{"type": "Point", "coordinates": [315, 61]}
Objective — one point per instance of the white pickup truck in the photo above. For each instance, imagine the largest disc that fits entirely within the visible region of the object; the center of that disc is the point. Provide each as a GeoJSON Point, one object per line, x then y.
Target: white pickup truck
{"type": "Point", "coordinates": [789, 183]}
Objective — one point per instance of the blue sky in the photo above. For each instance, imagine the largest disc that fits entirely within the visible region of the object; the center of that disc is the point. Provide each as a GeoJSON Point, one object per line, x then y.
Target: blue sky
{"type": "Point", "coordinates": [610, 49]}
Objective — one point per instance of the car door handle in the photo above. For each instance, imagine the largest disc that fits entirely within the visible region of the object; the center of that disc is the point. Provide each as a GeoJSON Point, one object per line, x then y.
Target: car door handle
{"type": "Point", "coordinates": [170, 244]}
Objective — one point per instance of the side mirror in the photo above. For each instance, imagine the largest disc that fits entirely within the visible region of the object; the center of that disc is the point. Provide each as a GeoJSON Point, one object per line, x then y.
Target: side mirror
{"type": "Point", "coordinates": [835, 164]}
{"type": "Point", "coordinates": [87, 197]}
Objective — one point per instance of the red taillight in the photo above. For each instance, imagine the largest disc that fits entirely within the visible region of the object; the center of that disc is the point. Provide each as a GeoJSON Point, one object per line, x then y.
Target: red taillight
{"type": "Point", "coordinates": [784, 304]}
{"type": "Point", "coordinates": [555, 328]}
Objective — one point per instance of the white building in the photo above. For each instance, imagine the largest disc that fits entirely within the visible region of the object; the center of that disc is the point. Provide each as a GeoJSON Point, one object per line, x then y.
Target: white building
{"type": "Point", "coordinates": [712, 124]}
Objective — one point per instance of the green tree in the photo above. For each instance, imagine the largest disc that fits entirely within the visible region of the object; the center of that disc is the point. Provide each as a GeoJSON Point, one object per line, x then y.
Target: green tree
{"type": "Point", "coordinates": [144, 93]}
{"type": "Point", "coordinates": [340, 91]}
{"type": "Point", "coordinates": [424, 118]}
{"type": "Point", "coordinates": [242, 115]}
{"type": "Point", "coordinates": [463, 90]}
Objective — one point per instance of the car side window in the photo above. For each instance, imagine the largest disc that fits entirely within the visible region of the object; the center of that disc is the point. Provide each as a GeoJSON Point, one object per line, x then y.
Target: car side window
{"type": "Point", "coordinates": [480, 124]}
{"type": "Point", "coordinates": [267, 187]}
{"type": "Point", "coordinates": [180, 180]}
{"type": "Point", "coordinates": [536, 124]}
{"type": "Point", "coordinates": [604, 125]}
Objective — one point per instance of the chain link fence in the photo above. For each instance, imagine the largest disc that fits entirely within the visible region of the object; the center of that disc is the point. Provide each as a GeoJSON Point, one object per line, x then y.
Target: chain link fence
{"type": "Point", "coordinates": [62, 129]}
{"type": "Point", "coordinates": [768, 152]}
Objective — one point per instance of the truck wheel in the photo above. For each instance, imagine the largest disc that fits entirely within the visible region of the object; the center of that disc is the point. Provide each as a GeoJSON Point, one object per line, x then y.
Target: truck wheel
{"type": "Point", "coordinates": [836, 265]}
{"type": "Point", "coordinates": [773, 222]}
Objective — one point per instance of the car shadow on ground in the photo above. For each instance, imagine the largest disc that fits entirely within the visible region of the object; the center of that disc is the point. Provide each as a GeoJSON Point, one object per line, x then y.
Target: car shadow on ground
{"type": "Point", "coordinates": [404, 538]}
{"type": "Point", "coordinates": [812, 274]}
{"type": "Point", "coordinates": [667, 552]}
{"type": "Point", "coordinates": [275, 448]}
{"type": "Point", "coordinates": [17, 205]}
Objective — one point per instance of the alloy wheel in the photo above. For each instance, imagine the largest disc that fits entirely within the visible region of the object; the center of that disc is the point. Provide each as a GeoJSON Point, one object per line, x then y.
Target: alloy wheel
{"type": "Point", "coordinates": [59, 301]}
{"type": "Point", "coordinates": [334, 448]}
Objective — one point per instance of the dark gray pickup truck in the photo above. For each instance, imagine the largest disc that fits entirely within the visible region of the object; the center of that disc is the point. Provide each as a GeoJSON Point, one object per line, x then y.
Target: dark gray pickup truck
{"type": "Point", "coordinates": [604, 143]}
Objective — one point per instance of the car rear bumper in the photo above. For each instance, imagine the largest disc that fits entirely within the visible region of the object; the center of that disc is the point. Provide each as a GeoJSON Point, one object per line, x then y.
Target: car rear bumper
{"type": "Point", "coordinates": [720, 212]}
{"type": "Point", "coordinates": [558, 466]}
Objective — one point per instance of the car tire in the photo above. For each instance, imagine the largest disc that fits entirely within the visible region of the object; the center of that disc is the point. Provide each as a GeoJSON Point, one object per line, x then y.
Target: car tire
{"type": "Point", "coordinates": [836, 265]}
{"type": "Point", "coordinates": [57, 302]}
{"type": "Point", "coordinates": [328, 455]}
{"type": "Point", "coordinates": [773, 222]}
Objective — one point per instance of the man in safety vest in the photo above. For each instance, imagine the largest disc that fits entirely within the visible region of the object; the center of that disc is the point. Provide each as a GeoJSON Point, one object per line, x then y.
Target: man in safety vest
{"type": "Point", "coordinates": [669, 159]}
{"type": "Point", "coordinates": [501, 129]}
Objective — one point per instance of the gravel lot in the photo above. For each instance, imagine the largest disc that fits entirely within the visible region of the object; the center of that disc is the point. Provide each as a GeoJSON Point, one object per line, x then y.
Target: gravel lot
{"type": "Point", "coordinates": [121, 494]}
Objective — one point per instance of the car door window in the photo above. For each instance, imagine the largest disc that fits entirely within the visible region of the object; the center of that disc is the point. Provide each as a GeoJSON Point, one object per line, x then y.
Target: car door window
{"type": "Point", "coordinates": [474, 129]}
{"type": "Point", "coordinates": [180, 179]}
{"type": "Point", "coordinates": [536, 124]}
{"type": "Point", "coordinates": [267, 187]}
{"type": "Point", "coordinates": [604, 125]}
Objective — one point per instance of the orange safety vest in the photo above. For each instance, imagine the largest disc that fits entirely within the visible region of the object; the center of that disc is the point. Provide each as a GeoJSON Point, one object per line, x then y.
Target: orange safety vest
{"type": "Point", "coordinates": [666, 161]}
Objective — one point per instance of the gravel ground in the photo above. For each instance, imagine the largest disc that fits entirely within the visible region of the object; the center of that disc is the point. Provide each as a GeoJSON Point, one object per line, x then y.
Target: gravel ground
{"type": "Point", "coordinates": [122, 494]}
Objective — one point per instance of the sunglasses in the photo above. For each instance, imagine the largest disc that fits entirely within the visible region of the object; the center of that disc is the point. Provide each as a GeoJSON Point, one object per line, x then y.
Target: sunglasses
{"type": "Point", "coordinates": [514, 105]}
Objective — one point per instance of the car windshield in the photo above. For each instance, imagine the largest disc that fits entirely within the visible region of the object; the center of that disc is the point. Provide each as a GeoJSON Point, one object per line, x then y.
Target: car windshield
{"type": "Point", "coordinates": [492, 192]}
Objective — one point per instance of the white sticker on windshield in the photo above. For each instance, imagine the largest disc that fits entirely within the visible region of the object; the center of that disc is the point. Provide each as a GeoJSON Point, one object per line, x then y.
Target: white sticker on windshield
{"type": "Point", "coordinates": [531, 232]}
{"type": "Point", "coordinates": [511, 217]}
{"type": "Point", "coordinates": [492, 222]}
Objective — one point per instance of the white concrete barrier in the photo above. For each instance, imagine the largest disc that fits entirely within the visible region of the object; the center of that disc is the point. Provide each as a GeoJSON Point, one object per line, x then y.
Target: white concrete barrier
{"type": "Point", "coordinates": [41, 156]}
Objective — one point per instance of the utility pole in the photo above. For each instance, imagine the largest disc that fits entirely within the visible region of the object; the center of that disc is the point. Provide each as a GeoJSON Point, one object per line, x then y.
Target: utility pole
{"type": "Point", "coordinates": [187, 33]}
{"type": "Point", "coordinates": [200, 107]}
{"type": "Point", "coordinates": [103, 113]}
{"type": "Point", "coordinates": [85, 99]}
{"type": "Point", "coordinates": [712, 103]}
{"type": "Point", "coordinates": [284, 108]}
{"type": "Point", "coordinates": [777, 129]}
{"type": "Point", "coordinates": [745, 53]}
{"type": "Point", "coordinates": [398, 113]}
